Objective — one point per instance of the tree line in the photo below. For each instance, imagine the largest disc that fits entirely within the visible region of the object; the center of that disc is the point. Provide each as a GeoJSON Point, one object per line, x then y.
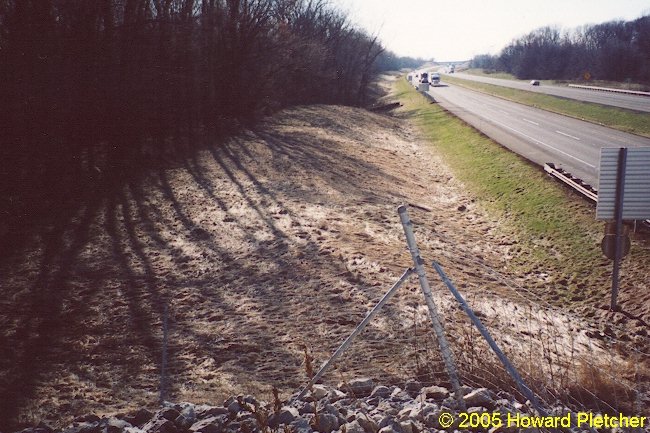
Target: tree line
{"type": "Point", "coordinates": [92, 88]}
{"type": "Point", "coordinates": [615, 51]}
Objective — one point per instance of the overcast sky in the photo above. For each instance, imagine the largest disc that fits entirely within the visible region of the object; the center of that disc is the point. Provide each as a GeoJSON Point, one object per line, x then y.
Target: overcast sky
{"type": "Point", "coordinates": [449, 30]}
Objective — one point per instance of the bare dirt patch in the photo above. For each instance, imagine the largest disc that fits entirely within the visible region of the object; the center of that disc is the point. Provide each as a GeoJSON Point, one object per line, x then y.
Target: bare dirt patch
{"type": "Point", "coordinates": [278, 239]}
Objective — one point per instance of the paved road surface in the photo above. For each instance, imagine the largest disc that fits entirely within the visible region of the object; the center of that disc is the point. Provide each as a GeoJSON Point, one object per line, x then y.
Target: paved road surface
{"type": "Point", "coordinates": [632, 102]}
{"type": "Point", "coordinates": [538, 135]}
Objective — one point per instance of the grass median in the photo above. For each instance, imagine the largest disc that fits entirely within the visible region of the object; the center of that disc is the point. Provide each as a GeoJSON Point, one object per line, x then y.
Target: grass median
{"type": "Point", "coordinates": [618, 118]}
{"type": "Point", "coordinates": [552, 229]}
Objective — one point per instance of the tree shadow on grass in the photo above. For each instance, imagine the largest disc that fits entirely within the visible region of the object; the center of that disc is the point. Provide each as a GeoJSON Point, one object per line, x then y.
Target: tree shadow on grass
{"type": "Point", "coordinates": [93, 306]}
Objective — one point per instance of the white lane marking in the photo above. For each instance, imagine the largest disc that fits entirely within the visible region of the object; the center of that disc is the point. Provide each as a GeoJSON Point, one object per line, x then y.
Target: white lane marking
{"type": "Point", "coordinates": [505, 112]}
{"type": "Point", "coordinates": [540, 142]}
{"type": "Point", "coordinates": [530, 121]}
{"type": "Point", "coordinates": [567, 135]}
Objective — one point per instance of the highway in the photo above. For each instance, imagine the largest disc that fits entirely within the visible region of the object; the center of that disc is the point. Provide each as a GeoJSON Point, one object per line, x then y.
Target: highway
{"type": "Point", "coordinates": [631, 102]}
{"type": "Point", "coordinates": [538, 135]}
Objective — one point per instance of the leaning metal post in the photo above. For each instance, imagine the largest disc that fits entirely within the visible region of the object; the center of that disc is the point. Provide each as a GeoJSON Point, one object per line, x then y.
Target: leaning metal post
{"type": "Point", "coordinates": [512, 371]}
{"type": "Point", "coordinates": [447, 356]}
{"type": "Point", "coordinates": [356, 332]}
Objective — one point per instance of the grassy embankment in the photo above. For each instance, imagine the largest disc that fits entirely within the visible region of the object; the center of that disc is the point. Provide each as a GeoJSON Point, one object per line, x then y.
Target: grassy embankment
{"type": "Point", "coordinates": [617, 118]}
{"type": "Point", "coordinates": [597, 83]}
{"type": "Point", "coordinates": [482, 73]}
{"type": "Point", "coordinates": [554, 229]}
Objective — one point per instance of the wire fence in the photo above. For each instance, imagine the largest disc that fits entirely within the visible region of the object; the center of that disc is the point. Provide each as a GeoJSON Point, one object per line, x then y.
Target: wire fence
{"type": "Point", "coordinates": [563, 358]}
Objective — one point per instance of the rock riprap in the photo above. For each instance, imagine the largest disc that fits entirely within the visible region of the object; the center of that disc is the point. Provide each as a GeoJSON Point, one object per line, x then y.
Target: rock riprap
{"type": "Point", "coordinates": [358, 406]}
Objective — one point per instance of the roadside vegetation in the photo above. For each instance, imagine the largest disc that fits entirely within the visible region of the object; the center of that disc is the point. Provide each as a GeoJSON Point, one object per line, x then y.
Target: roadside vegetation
{"type": "Point", "coordinates": [490, 73]}
{"type": "Point", "coordinates": [612, 117]}
{"type": "Point", "coordinates": [94, 90]}
{"type": "Point", "coordinates": [549, 230]}
{"type": "Point", "coordinates": [614, 51]}
{"type": "Point", "coordinates": [597, 83]}
{"type": "Point", "coordinates": [551, 224]}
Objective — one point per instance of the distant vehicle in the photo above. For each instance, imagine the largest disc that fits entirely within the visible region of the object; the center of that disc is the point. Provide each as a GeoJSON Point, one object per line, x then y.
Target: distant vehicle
{"type": "Point", "coordinates": [424, 77]}
{"type": "Point", "coordinates": [434, 79]}
{"type": "Point", "coordinates": [534, 82]}
{"type": "Point", "coordinates": [452, 69]}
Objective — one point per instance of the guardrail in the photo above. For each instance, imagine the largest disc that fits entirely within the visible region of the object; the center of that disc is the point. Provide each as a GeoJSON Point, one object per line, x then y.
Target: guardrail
{"type": "Point", "coordinates": [577, 184]}
{"type": "Point", "coordinates": [609, 89]}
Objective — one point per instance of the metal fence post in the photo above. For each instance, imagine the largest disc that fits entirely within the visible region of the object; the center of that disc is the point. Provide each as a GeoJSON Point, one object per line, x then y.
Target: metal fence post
{"type": "Point", "coordinates": [512, 371]}
{"type": "Point", "coordinates": [447, 356]}
{"type": "Point", "coordinates": [356, 332]}
{"type": "Point", "coordinates": [163, 364]}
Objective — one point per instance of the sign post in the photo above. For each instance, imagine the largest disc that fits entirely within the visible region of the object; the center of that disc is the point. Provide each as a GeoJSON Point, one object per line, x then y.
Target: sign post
{"type": "Point", "coordinates": [623, 194]}
{"type": "Point", "coordinates": [618, 210]}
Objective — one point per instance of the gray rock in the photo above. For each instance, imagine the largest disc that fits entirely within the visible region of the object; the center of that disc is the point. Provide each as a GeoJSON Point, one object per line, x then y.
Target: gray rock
{"type": "Point", "coordinates": [329, 408]}
{"type": "Point", "coordinates": [79, 427]}
{"type": "Point", "coordinates": [390, 422]}
{"type": "Point", "coordinates": [306, 407]}
{"type": "Point", "coordinates": [387, 408]}
{"type": "Point", "coordinates": [204, 411]}
{"type": "Point", "coordinates": [437, 393]}
{"type": "Point", "coordinates": [301, 425]}
{"type": "Point", "coordinates": [234, 407]}
{"type": "Point", "coordinates": [354, 427]}
{"type": "Point", "coordinates": [479, 397]}
{"type": "Point", "coordinates": [327, 423]}
{"type": "Point", "coordinates": [413, 387]}
{"type": "Point", "coordinates": [505, 428]}
{"type": "Point", "coordinates": [114, 425]}
{"type": "Point", "coordinates": [368, 424]}
{"type": "Point", "coordinates": [86, 419]}
{"type": "Point", "coordinates": [381, 392]}
{"type": "Point", "coordinates": [420, 412]}
{"type": "Point", "coordinates": [431, 419]}
{"type": "Point", "coordinates": [372, 401]}
{"type": "Point", "coordinates": [400, 396]}
{"type": "Point", "coordinates": [249, 399]}
{"type": "Point", "coordinates": [319, 392]}
{"type": "Point", "coordinates": [286, 416]}
{"type": "Point", "coordinates": [161, 425]}
{"type": "Point", "coordinates": [36, 430]}
{"type": "Point", "coordinates": [450, 403]}
{"type": "Point", "coordinates": [407, 426]}
{"type": "Point", "coordinates": [361, 387]}
{"type": "Point", "coordinates": [248, 424]}
{"type": "Point", "coordinates": [405, 413]}
{"type": "Point", "coordinates": [183, 423]}
{"type": "Point", "coordinates": [212, 424]}
{"type": "Point", "coordinates": [476, 409]}
{"type": "Point", "coordinates": [336, 395]}
{"type": "Point", "coordinates": [232, 427]}
{"type": "Point", "coordinates": [169, 413]}
{"type": "Point", "coordinates": [139, 418]}
{"type": "Point", "coordinates": [189, 413]}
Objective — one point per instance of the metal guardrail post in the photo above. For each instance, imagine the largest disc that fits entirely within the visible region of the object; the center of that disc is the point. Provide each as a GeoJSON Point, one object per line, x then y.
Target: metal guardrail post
{"type": "Point", "coordinates": [447, 356]}
{"type": "Point", "coordinates": [356, 332]}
